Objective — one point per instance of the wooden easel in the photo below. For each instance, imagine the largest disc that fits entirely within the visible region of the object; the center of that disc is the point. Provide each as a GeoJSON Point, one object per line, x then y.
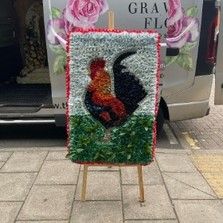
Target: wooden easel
{"type": "Point", "coordinates": [139, 167]}
{"type": "Point", "coordinates": [140, 179]}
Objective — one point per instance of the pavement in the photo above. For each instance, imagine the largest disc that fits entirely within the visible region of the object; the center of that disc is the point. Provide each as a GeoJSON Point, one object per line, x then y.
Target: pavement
{"type": "Point", "coordinates": [182, 185]}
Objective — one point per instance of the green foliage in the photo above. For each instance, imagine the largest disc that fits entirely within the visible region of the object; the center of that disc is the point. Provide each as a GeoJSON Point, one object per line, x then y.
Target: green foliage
{"type": "Point", "coordinates": [192, 11]}
{"type": "Point", "coordinates": [56, 13]}
{"type": "Point", "coordinates": [58, 49]}
{"type": "Point", "coordinates": [59, 64]}
{"type": "Point", "coordinates": [187, 47]}
{"type": "Point", "coordinates": [129, 143]}
{"type": "Point", "coordinates": [185, 61]}
{"type": "Point", "coordinates": [170, 59]}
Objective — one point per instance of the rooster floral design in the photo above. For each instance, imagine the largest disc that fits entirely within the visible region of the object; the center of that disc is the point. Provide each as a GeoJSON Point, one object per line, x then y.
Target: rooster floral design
{"type": "Point", "coordinates": [112, 84]}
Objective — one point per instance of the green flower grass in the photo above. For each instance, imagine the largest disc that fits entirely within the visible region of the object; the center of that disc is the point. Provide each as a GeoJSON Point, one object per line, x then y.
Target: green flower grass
{"type": "Point", "coordinates": [130, 143]}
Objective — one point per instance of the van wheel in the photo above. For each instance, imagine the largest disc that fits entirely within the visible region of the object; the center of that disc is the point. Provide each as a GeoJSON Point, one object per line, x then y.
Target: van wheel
{"type": "Point", "coordinates": [159, 121]}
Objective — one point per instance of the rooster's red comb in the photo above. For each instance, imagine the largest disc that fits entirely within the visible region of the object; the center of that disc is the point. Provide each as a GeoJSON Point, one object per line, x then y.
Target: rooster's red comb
{"type": "Point", "coordinates": [95, 64]}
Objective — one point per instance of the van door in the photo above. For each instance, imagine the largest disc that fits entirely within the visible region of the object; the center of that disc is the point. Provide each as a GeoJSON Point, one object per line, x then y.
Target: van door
{"type": "Point", "coordinates": [219, 66]}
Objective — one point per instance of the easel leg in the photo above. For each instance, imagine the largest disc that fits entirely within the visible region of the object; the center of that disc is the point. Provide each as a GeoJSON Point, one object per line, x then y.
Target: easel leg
{"type": "Point", "coordinates": [141, 187]}
{"type": "Point", "coordinates": [84, 183]}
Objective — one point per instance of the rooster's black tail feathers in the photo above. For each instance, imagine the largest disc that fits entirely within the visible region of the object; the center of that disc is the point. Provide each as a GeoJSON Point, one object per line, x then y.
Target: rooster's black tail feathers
{"type": "Point", "coordinates": [128, 89]}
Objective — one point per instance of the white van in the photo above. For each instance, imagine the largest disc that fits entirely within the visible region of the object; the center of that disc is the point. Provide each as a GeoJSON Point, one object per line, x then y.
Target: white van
{"type": "Point", "coordinates": [32, 77]}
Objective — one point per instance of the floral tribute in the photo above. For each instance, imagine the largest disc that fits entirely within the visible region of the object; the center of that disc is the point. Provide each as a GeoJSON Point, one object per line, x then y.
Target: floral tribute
{"type": "Point", "coordinates": [77, 14]}
{"type": "Point", "coordinates": [183, 33]}
{"type": "Point", "coordinates": [112, 87]}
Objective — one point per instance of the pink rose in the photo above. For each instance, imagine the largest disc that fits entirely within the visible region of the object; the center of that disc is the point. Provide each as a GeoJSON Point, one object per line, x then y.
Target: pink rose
{"type": "Point", "coordinates": [181, 28]}
{"type": "Point", "coordinates": [84, 13]}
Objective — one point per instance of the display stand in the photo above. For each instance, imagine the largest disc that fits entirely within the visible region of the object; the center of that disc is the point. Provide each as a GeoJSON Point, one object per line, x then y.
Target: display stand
{"type": "Point", "coordinates": [139, 167]}
{"type": "Point", "coordinates": [140, 179]}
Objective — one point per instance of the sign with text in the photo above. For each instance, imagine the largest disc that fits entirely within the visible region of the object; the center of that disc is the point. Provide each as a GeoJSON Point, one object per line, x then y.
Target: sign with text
{"type": "Point", "coordinates": [139, 15]}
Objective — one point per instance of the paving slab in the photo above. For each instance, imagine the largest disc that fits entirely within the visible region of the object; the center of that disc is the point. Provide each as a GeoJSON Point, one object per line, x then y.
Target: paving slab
{"type": "Point", "coordinates": [15, 186]}
{"type": "Point", "coordinates": [58, 172]}
{"type": "Point", "coordinates": [175, 163]}
{"type": "Point", "coordinates": [48, 203]}
{"type": "Point", "coordinates": [33, 149]}
{"type": "Point", "coordinates": [156, 206]}
{"type": "Point", "coordinates": [151, 175]}
{"type": "Point", "coordinates": [5, 155]}
{"type": "Point", "coordinates": [207, 163]}
{"type": "Point", "coordinates": [9, 211]}
{"type": "Point", "coordinates": [57, 155]}
{"type": "Point", "coordinates": [101, 186]}
{"type": "Point", "coordinates": [151, 221]}
{"type": "Point", "coordinates": [97, 212]}
{"type": "Point", "coordinates": [42, 222]}
{"type": "Point", "coordinates": [216, 182]}
{"type": "Point", "coordinates": [188, 186]}
{"type": "Point", "coordinates": [29, 161]}
{"type": "Point", "coordinates": [211, 167]}
{"type": "Point", "coordinates": [202, 211]}
{"type": "Point", "coordinates": [1, 164]}
{"type": "Point", "coordinates": [202, 151]}
{"type": "Point", "coordinates": [170, 151]}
